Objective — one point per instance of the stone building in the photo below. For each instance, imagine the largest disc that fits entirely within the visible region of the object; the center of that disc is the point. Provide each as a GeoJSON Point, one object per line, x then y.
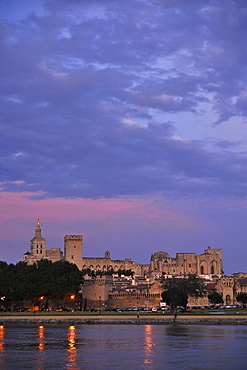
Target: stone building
{"type": "Point", "coordinates": [145, 286]}
{"type": "Point", "coordinates": [95, 291]}
{"type": "Point", "coordinates": [38, 249]}
{"type": "Point", "coordinates": [73, 249]}
{"type": "Point", "coordinates": [106, 263]}
{"type": "Point", "coordinates": [206, 265]}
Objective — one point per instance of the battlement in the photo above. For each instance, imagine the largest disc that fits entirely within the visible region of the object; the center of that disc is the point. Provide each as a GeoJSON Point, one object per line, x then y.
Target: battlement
{"type": "Point", "coordinates": [210, 250]}
{"type": "Point", "coordinates": [73, 237]}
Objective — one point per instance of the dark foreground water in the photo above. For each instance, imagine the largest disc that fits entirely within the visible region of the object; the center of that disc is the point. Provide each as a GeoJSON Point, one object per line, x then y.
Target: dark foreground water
{"type": "Point", "coordinates": [123, 347]}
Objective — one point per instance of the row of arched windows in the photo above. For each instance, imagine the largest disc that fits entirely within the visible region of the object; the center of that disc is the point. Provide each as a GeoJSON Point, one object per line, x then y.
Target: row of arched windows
{"type": "Point", "coordinates": [205, 269]}
{"type": "Point", "coordinates": [103, 268]}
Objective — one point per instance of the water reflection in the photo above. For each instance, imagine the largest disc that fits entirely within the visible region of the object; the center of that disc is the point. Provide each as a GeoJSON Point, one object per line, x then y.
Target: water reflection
{"type": "Point", "coordinates": [41, 337]}
{"type": "Point", "coordinates": [1, 344]}
{"type": "Point", "coordinates": [72, 350]}
{"type": "Point", "coordinates": [41, 347]}
{"type": "Point", "coordinates": [148, 345]}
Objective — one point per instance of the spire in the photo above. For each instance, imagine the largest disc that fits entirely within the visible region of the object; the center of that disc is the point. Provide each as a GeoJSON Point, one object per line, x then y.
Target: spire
{"type": "Point", "coordinates": [38, 229]}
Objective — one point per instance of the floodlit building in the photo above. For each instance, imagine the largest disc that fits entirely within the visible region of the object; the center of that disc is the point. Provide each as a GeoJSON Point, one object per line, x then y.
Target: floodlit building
{"type": "Point", "coordinates": [145, 284]}
{"type": "Point", "coordinates": [38, 249]}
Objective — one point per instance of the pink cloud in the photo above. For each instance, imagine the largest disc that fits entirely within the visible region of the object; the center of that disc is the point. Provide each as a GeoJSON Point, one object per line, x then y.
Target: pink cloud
{"type": "Point", "coordinates": [16, 206]}
{"type": "Point", "coordinates": [115, 224]}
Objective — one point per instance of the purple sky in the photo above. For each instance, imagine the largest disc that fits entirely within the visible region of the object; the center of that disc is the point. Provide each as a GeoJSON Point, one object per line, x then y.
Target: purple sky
{"type": "Point", "coordinates": [124, 121]}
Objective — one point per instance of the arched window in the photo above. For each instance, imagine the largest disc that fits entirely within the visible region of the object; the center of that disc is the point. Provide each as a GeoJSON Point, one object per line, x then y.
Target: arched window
{"type": "Point", "coordinates": [202, 270]}
{"type": "Point", "coordinates": [212, 270]}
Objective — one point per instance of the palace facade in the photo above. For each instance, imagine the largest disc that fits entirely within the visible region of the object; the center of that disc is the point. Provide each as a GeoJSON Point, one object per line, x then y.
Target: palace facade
{"type": "Point", "coordinates": [207, 264]}
{"type": "Point", "coordinates": [144, 286]}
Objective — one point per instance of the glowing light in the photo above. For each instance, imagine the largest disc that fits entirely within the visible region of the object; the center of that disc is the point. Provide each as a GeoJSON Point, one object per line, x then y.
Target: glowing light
{"type": "Point", "coordinates": [41, 337]}
{"type": "Point", "coordinates": [148, 345]}
{"type": "Point", "coordinates": [72, 296]}
{"type": "Point", "coordinates": [1, 343]}
{"type": "Point", "coordinates": [72, 350]}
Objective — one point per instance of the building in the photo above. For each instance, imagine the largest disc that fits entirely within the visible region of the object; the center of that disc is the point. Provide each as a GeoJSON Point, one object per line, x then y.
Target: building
{"type": "Point", "coordinates": [38, 249]}
{"type": "Point", "coordinates": [207, 265]}
{"type": "Point", "coordinates": [144, 286]}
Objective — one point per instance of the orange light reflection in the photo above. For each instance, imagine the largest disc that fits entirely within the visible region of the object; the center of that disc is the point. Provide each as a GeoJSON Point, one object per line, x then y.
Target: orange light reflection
{"type": "Point", "coordinates": [148, 345]}
{"type": "Point", "coordinates": [2, 332]}
{"type": "Point", "coordinates": [72, 350]}
{"type": "Point", "coordinates": [41, 347]}
{"type": "Point", "coordinates": [41, 336]}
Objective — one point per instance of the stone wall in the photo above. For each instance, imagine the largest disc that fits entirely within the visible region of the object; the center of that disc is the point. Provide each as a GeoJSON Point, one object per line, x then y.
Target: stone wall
{"type": "Point", "coordinates": [95, 291]}
{"type": "Point", "coordinates": [125, 299]}
{"type": "Point", "coordinates": [54, 254]}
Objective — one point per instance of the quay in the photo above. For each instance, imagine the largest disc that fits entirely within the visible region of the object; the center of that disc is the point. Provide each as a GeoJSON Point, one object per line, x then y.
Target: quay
{"type": "Point", "coordinates": [125, 319]}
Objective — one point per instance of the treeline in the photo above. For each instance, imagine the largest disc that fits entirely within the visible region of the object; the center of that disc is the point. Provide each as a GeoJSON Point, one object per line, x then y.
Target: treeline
{"type": "Point", "coordinates": [110, 272]}
{"type": "Point", "coordinates": [52, 281]}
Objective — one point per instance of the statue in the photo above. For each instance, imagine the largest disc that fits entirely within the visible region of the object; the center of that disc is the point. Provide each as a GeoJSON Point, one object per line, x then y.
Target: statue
{"type": "Point", "coordinates": [38, 224]}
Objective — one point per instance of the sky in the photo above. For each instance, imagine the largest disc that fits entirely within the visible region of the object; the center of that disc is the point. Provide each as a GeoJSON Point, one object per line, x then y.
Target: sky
{"type": "Point", "coordinates": [124, 121]}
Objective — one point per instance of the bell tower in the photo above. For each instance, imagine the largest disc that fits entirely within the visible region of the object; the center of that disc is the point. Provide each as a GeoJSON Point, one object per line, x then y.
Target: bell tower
{"type": "Point", "coordinates": [38, 244]}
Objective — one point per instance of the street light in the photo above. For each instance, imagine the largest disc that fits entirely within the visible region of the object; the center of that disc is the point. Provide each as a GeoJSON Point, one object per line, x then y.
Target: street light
{"type": "Point", "coordinates": [148, 293]}
{"type": "Point", "coordinates": [72, 297]}
{"type": "Point", "coordinates": [41, 301]}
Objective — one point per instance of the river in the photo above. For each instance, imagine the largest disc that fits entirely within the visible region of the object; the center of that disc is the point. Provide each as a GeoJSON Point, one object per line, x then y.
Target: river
{"type": "Point", "coordinates": [183, 347]}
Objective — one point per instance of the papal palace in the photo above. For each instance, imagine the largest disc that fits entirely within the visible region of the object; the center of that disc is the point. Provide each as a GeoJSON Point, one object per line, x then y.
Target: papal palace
{"type": "Point", "coordinates": [143, 287]}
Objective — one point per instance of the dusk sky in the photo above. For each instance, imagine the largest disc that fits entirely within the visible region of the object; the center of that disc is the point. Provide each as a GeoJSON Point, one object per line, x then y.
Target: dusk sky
{"type": "Point", "coordinates": [124, 121]}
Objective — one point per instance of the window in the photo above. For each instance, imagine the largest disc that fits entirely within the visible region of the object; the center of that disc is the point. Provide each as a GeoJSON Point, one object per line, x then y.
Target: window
{"type": "Point", "coordinates": [189, 264]}
{"type": "Point", "coordinates": [212, 269]}
{"type": "Point", "coordinates": [37, 251]}
{"type": "Point", "coordinates": [202, 270]}
{"type": "Point", "coordinates": [72, 257]}
{"type": "Point", "coordinates": [40, 251]}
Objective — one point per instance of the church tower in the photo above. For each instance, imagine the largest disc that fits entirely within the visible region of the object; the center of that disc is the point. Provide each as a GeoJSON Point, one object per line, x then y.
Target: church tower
{"type": "Point", "coordinates": [38, 244]}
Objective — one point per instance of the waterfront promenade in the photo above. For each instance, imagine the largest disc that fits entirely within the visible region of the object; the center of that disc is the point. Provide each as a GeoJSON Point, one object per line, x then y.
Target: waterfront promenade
{"type": "Point", "coordinates": [143, 319]}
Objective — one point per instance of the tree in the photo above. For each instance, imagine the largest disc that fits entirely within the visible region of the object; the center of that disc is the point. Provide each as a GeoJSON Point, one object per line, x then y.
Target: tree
{"type": "Point", "coordinates": [177, 291]}
{"type": "Point", "coordinates": [10, 283]}
{"type": "Point", "coordinates": [27, 283]}
{"type": "Point", "coordinates": [3, 266]}
{"type": "Point", "coordinates": [65, 279]}
{"type": "Point", "coordinates": [215, 298]}
{"type": "Point", "coordinates": [242, 298]}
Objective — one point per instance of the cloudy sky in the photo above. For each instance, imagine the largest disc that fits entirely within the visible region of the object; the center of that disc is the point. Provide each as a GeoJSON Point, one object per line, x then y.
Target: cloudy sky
{"type": "Point", "coordinates": [124, 121]}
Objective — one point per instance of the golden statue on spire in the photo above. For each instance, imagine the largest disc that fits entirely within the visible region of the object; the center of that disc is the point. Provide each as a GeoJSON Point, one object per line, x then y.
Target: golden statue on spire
{"type": "Point", "coordinates": [38, 224]}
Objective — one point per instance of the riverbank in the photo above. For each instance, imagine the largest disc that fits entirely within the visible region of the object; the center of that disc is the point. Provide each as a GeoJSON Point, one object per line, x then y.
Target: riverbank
{"type": "Point", "coordinates": [125, 320]}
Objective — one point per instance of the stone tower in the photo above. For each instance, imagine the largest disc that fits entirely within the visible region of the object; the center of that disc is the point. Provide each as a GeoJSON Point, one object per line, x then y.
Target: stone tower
{"type": "Point", "coordinates": [73, 249]}
{"type": "Point", "coordinates": [38, 244]}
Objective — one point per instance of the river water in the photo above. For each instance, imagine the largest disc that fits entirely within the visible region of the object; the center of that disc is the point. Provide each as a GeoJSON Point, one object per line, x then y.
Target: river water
{"type": "Point", "coordinates": [183, 347]}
